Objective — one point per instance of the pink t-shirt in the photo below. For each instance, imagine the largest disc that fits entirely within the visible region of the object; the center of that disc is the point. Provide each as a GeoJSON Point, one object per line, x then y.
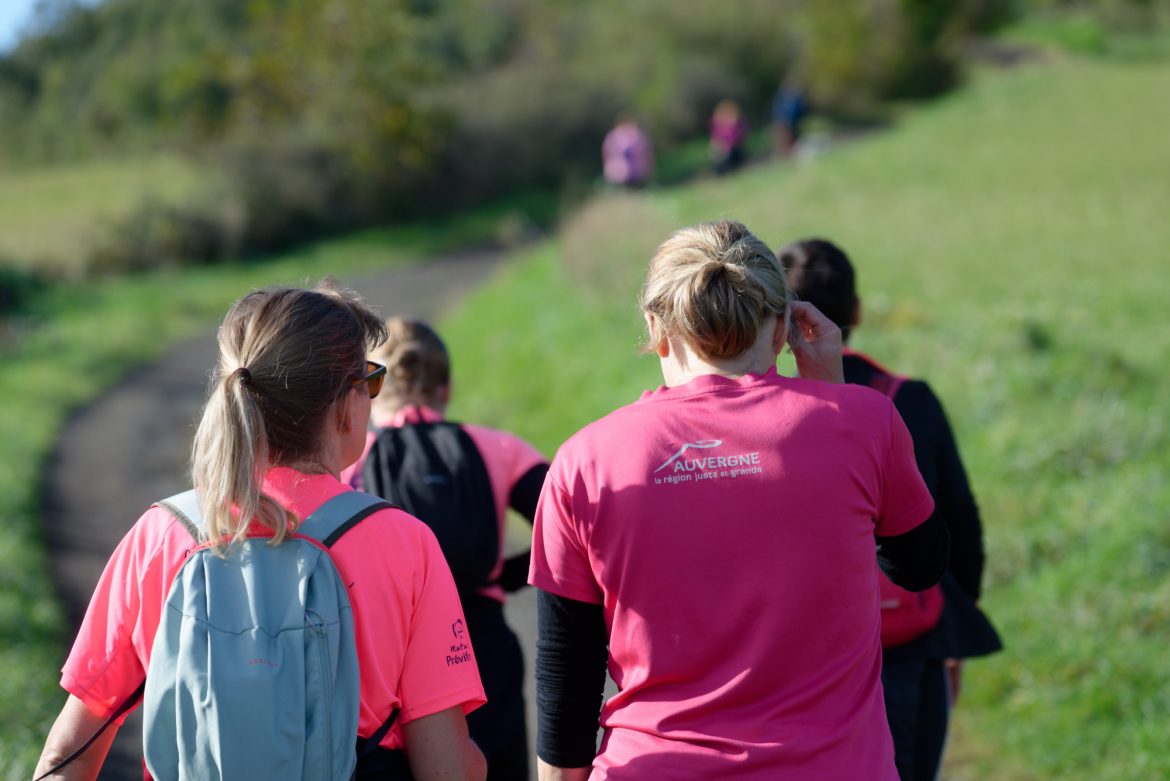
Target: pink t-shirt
{"type": "Point", "coordinates": [506, 456]}
{"type": "Point", "coordinates": [626, 154]}
{"type": "Point", "coordinates": [727, 527]}
{"type": "Point", "coordinates": [407, 616]}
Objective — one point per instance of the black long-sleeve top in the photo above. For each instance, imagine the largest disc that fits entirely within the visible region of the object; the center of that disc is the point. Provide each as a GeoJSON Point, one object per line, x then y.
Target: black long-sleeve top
{"type": "Point", "coordinates": [942, 470]}
{"type": "Point", "coordinates": [964, 630]}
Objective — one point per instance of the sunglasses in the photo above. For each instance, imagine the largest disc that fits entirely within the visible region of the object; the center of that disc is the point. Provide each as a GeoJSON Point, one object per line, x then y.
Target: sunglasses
{"type": "Point", "coordinates": [373, 378]}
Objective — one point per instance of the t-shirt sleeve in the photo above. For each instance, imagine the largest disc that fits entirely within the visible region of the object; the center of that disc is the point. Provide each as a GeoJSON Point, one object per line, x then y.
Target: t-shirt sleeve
{"type": "Point", "coordinates": [560, 561]}
{"type": "Point", "coordinates": [109, 656]}
{"type": "Point", "coordinates": [439, 670]}
{"type": "Point", "coordinates": [905, 500]}
{"type": "Point", "coordinates": [524, 457]}
{"type": "Point", "coordinates": [508, 457]}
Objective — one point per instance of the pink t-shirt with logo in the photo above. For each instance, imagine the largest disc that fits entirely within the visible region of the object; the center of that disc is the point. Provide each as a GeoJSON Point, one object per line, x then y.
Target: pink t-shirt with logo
{"type": "Point", "coordinates": [413, 650]}
{"type": "Point", "coordinates": [727, 527]}
{"type": "Point", "coordinates": [506, 456]}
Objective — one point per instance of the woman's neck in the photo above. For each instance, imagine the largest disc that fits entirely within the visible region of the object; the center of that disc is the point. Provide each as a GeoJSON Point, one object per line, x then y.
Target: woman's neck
{"type": "Point", "coordinates": [681, 372]}
{"type": "Point", "coordinates": [681, 363]}
{"type": "Point", "coordinates": [316, 466]}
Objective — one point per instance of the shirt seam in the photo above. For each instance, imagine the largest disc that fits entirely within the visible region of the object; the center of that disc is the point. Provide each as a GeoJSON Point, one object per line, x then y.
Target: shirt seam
{"type": "Point", "coordinates": [461, 697]}
{"type": "Point", "coordinates": [672, 395]}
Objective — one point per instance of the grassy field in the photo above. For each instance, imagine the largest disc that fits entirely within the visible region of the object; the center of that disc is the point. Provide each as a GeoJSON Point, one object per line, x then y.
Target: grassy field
{"type": "Point", "coordinates": [1011, 243]}
{"type": "Point", "coordinates": [47, 215]}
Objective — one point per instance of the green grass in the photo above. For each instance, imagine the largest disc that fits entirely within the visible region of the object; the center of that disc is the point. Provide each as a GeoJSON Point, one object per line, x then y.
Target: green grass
{"type": "Point", "coordinates": [1011, 248]}
{"type": "Point", "coordinates": [76, 341]}
{"type": "Point", "coordinates": [1088, 31]}
{"type": "Point", "coordinates": [48, 215]}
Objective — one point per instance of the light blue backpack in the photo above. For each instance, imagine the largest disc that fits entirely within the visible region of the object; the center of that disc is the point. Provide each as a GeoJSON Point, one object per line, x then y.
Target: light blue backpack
{"type": "Point", "coordinates": [254, 671]}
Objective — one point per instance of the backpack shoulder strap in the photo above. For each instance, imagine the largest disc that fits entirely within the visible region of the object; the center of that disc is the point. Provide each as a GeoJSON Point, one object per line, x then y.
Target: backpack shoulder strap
{"type": "Point", "coordinates": [326, 525]}
{"type": "Point", "coordinates": [367, 746]}
{"type": "Point", "coordinates": [185, 508]}
{"type": "Point", "coordinates": [889, 384]}
{"type": "Point", "coordinates": [882, 379]}
{"type": "Point", "coordinates": [122, 709]}
{"type": "Point", "coordinates": [467, 447]}
{"type": "Point", "coordinates": [338, 515]}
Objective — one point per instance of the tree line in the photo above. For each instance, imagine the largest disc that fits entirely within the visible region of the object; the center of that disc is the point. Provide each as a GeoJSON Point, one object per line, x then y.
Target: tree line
{"type": "Point", "coordinates": [325, 115]}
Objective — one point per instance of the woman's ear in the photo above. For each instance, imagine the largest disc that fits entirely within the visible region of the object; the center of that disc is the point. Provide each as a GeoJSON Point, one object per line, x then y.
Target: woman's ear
{"type": "Point", "coordinates": [780, 332]}
{"type": "Point", "coordinates": [661, 344]}
{"type": "Point", "coordinates": [344, 413]}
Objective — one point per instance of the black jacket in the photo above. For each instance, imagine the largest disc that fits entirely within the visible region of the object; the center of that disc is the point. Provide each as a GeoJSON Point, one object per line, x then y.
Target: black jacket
{"type": "Point", "coordinates": [964, 630]}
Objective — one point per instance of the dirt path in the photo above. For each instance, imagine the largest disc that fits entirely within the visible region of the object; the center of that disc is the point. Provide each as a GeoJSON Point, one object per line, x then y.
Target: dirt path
{"type": "Point", "coordinates": [130, 447]}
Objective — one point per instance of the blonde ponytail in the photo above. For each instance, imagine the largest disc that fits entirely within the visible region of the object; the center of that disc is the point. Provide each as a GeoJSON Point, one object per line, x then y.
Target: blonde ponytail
{"type": "Point", "coordinates": [230, 447]}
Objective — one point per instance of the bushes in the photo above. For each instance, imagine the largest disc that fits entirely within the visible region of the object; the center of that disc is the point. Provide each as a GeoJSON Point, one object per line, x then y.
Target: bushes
{"type": "Point", "coordinates": [855, 53]}
{"type": "Point", "coordinates": [17, 287]}
{"type": "Point", "coordinates": [159, 234]}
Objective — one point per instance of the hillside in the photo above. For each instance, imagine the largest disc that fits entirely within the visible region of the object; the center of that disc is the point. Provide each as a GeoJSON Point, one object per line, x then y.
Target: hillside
{"type": "Point", "coordinates": [1011, 249]}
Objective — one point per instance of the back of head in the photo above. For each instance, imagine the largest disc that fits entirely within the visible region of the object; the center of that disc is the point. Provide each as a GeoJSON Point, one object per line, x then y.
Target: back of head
{"type": "Point", "coordinates": [285, 356]}
{"type": "Point", "coordinates": [713, 285]}
{"type": "Point", "coordinates": [820, 273]}
{"type": "Point", "coordinates": [418, 368]}
{"type": "Point", "coordinates": [727, 109]}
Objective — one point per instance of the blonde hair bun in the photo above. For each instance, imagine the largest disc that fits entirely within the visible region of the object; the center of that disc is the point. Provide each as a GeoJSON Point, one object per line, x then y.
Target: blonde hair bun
{"type": "Point", "coordinates": [713, 285]}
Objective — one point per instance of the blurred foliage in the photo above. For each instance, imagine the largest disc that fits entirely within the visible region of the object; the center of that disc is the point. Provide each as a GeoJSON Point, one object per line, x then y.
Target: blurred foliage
{"type": "Point", "coordinates": [325, 115]}
{"type": "Point", "coordinates": [1114, 29]}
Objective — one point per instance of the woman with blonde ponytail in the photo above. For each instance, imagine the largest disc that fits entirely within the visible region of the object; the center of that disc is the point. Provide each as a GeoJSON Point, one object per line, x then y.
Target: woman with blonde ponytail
{"type": "Point", "coordinates": [713, 544]}
{"type": "Point", "coordinates": [287, 412]}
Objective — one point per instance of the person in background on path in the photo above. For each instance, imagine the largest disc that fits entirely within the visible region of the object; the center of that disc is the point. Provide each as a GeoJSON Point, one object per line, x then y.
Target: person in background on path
{"type": "Point", "coordinates": [626, 155]}
{"type": "Point", "coordinates": [728, 132]}
{"type": "Point", "coordinates": [415, 397]}
{"type": "Point", "coordinates": [287, 411]}
{"type": "Point", "coordinates": [714, 543]}
{"type": "Point", "coordinates": [789, 109]}
{"type": "Point", "coordinates": [920, 677]}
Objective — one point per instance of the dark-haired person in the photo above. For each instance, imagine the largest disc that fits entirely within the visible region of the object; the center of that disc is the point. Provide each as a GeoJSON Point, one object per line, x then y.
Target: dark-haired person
{"type": "Point", "coordinates": [920, 677]}
{"type": "Point", "coordinates": [287, 411]}
{"type": "Point", "coordinates": [417, 391]}
{"type": "Point", "coordinates": [714, 543]}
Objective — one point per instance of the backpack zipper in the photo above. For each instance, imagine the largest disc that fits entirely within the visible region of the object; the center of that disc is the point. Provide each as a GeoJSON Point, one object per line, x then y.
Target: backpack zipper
{"type": "Point", "coordinates": [317, 624]}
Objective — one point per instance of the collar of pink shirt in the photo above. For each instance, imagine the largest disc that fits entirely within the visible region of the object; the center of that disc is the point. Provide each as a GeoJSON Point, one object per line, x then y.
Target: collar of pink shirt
{"type": "Point", "coordinates": [409, 415]}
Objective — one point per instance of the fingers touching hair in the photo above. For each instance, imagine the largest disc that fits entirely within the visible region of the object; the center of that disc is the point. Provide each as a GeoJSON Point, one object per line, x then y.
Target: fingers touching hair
{"type": "Point", "coordinates": [820, 272]}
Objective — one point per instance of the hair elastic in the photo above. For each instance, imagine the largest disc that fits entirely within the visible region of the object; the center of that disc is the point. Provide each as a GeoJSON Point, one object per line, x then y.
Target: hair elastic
{"type": "Point", "coordinates": [244, 375]}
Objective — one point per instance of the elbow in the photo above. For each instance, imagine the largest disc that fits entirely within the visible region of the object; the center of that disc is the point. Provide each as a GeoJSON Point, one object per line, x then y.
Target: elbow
{"type": "Point", "coordinates": [476, 764]}
{"type": "Point", "coordinates": [917, 559]}
{"type": "Point", "coordinates": [920, 580]}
